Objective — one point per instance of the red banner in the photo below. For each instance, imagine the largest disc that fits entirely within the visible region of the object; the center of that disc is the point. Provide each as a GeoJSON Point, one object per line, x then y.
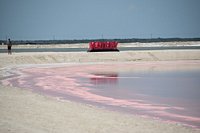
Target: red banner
{"type": "Point", "coordinates": [103, 45]}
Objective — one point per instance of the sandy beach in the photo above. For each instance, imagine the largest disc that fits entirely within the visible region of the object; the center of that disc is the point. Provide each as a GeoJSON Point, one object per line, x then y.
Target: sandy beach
{"type": "Point", "coordinates": [25, 111]}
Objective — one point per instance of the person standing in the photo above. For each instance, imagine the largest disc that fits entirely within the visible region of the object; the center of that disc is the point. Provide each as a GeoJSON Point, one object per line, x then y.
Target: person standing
{"type": "Point", "coordinates": [9, 45]}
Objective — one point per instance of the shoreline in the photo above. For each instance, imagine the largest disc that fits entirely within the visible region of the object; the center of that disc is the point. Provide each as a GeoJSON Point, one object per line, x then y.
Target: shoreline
{"type": "Point", "coordinates": [25, 111]}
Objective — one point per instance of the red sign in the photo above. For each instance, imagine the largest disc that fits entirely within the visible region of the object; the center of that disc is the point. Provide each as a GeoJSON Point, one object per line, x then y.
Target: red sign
{"type": "Point", "coordinates": [103, 46]}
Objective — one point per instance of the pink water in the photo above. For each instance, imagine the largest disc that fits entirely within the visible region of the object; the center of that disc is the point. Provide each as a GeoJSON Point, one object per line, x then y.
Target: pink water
{"type": "Point", "coordinates": [172, 94]}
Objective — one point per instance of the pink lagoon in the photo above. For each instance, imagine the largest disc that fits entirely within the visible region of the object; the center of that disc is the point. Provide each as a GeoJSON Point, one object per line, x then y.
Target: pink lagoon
{"type": "Point", "coordinates": [164, 90]}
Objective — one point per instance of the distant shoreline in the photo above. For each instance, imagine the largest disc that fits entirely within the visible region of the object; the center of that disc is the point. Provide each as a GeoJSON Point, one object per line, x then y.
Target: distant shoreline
{"type": "Point", "coordinates": [120, 45]}
{"type": "Point", "coordinates": [128, 40]}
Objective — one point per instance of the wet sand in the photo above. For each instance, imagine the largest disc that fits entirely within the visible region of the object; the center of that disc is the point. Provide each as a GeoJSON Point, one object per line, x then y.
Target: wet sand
{"type": "Point", "coordinates": [25, 111]}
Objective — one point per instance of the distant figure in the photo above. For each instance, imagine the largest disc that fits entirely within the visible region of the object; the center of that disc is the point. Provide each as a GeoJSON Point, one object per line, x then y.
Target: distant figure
{"type": "Point", "coordinates": [9, 45]}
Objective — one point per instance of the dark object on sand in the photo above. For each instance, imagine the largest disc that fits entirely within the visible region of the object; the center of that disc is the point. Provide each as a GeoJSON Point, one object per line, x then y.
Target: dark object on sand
{"type": "Point", "coordinates": [9, 45]}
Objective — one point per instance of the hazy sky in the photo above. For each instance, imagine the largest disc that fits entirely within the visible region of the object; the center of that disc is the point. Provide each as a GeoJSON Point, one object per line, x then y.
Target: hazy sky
{"type": "Point", "coordinates": [82, 19]}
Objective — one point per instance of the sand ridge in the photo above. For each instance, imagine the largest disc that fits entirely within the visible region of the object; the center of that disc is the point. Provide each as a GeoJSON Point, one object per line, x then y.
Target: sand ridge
{"type": "Point", "coordinates": [81, 57]}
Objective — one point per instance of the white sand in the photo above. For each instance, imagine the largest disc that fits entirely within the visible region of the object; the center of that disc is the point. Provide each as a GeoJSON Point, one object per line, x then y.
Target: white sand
{"type": "Point", "coordinates": [24, 111]}
{"type": "Point", "coordinates": [79, 57]}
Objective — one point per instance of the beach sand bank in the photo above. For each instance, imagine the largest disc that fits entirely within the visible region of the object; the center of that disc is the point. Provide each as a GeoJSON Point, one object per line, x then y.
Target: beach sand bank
{"type": "Point", "coordinates": [84, 57]}
{"type": "Point", "coordinates": [24, 111]}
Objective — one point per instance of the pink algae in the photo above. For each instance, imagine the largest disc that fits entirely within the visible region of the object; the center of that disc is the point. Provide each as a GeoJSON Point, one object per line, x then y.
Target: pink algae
{"type": "Point", "coordinates": [85, 81]}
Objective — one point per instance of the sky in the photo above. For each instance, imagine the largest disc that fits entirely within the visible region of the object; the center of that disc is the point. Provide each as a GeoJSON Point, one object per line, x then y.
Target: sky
{"type": "Point", "coordinates": [97, 19]}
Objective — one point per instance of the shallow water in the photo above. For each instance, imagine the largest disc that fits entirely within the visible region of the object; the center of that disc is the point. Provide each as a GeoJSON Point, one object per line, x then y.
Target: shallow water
{"type": "Point", "coordinates": [21, 50]}
{"type": "Point", "coordinates": [171, 94]}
